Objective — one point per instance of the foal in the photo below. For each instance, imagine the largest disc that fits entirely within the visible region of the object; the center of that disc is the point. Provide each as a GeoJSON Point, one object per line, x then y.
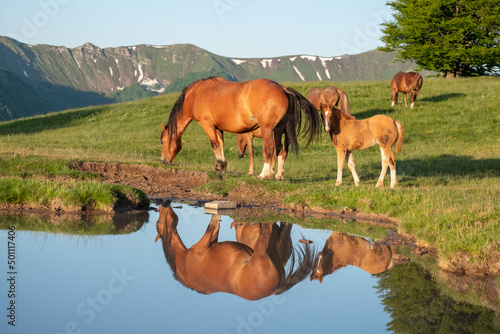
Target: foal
{"type": "Point", "coordinates": [349, 134]}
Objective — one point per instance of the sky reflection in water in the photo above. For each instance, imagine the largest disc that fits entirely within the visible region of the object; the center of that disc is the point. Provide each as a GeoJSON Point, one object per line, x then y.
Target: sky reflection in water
{"type": "Point", "coordinates": [123, 284]}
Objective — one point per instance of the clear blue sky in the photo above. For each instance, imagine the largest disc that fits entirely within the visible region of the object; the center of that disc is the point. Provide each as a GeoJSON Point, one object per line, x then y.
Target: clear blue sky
{"type": "Point", "coordinates": [233, 28]}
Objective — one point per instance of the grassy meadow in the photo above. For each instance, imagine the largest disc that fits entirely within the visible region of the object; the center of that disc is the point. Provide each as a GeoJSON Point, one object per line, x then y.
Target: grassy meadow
{"type": "Point", "coordinates": [448, 171]}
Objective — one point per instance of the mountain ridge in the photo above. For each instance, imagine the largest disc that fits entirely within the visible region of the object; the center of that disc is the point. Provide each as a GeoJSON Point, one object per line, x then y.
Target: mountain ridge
{"type": "Point", "coordinates": [94, 72]}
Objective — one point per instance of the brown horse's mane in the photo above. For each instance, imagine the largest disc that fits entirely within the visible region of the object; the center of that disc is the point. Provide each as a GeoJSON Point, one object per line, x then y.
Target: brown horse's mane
{"type": "Point", "coordinates": [177, 108]}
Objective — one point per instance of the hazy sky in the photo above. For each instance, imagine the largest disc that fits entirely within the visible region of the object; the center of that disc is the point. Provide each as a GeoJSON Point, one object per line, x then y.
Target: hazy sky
{"type": "Point", "coordinates": [233, 28]}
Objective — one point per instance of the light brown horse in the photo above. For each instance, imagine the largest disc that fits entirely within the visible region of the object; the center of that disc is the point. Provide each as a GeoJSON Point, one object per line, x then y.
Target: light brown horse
{"type": "Point", "coordinates": [341, 250]}
{"type": "Point", "coordinates": [349, 134]}
{"type": "Point", "coordinates": [238, 107]}
{"type": "Point", "coordinates": [325, 99]}
{"type": "Point", "coordinates": [409, 82]}
{"type": "Point", "coordinates": [251, 269]}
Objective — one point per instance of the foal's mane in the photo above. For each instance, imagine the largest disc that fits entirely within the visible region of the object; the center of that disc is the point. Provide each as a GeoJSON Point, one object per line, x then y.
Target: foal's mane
{"type": "Point", "coordinates": [339, 114]}
{"type": "Point", "coordinates": [177, 108]}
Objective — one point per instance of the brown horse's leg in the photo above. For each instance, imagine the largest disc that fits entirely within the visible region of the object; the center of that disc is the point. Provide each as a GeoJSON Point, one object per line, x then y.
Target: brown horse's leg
{"type": "Point", "coordinates": [350, 163]}
{"type": "Point", "coordinates": [282, 151]}
{"type": "Point", "coordinates": [211, 234]}
{"type": "Point", "coordinates": [404, 96]}
{"type": "Point", "coordinates": [412, 100]}
{"type": "Point", "coordinates": [394, 95]}
{"type": "Point", "coordinates": [268, 151]}
{"type": "Point", "coordinates": [220, 160]}
{"type": "Point", "coordinates": [281, 158]}
{"type": "Point", "coordinates": [217, 140]}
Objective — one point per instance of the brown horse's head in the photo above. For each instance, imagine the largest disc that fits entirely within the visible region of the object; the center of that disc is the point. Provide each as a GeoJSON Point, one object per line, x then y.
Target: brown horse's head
{"type": "Point", "coordinates": [171, 145]}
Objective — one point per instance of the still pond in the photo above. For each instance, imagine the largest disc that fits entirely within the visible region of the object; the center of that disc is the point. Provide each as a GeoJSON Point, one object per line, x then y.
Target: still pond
{"type": "Point", "coordinates": [211, 274]}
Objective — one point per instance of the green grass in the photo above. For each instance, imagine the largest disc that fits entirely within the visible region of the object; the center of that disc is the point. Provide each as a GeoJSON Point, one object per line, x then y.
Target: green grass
{"type": "Point", "coordinates": [87, 196]}
{"type": "Point", "coordinates": [448, 171]}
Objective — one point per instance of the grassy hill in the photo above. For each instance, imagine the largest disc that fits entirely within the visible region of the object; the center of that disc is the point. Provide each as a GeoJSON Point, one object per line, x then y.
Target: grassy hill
{"type": "Point", "coordinates": [448, 171]}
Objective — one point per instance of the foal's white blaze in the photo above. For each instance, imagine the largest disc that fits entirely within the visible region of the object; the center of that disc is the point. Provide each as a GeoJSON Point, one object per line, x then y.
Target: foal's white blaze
{"type": "Point", "coordinates": [327, 127]}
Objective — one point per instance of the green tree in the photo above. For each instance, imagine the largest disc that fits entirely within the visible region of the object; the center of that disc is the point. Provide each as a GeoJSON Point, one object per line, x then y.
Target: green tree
{"type": "Point", "coordinates": [451, 37]}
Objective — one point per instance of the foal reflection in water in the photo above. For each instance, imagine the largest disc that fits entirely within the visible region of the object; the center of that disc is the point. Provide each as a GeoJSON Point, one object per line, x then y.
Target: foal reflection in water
{"type": "Point", "coordinates": [253, 267]}
{"type": "Point", "coordinates": [341, 250]}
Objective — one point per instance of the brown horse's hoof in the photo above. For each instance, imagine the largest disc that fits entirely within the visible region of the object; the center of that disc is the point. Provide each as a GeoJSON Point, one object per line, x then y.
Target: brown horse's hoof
{"type": "Point", "coordinates": [220, 166]}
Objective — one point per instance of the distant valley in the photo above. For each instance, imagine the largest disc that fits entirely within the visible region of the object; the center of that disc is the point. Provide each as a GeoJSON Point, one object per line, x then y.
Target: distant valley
{"type": "Point", "coordinates": [37, 79]}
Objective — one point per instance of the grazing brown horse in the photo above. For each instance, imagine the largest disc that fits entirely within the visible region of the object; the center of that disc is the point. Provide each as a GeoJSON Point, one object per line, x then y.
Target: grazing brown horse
{"type": "Point", "coordinates": [325, 99]}
{"type": "Point", "coordinates": [246, 139]}
{"type": "Point", "coordinates": [409, 82]}
{"type": "Point", "coordinates": [341, 250]}
{"type": "Point", "coordinates": [252, 268]}
{"type": "Point", "coordinates": [349, 134]}
{"type": "Point", "coordinates": [238, 107]}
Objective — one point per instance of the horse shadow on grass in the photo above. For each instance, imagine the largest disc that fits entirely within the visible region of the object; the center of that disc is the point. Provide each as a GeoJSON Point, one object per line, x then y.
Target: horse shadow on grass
{"type": "Point", "coordinates": [442, 97]}
{"type": "Point", "coordinates": [459, 166]}
{"type": "Point", "coordinates": [372, 112]}
{"type": "Point", "coordinates": [411, 169]}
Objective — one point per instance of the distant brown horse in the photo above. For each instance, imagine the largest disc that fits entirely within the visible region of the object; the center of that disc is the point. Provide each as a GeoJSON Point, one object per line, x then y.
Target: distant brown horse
{"type": "Point", "coordinates": [246, 139]}
{"type": "Point", "coordinates": [349, 134]}
{"type": "Point", "coordinates": [251, 268]}
{"type": "Point", "coordinates": [325, 99]}
{"type": "Point", "coordinates": [341, 250]}
{"type": "Point", "coordinates": [409, 82]}
{"type": "Point", "coordinates": [238, 107]}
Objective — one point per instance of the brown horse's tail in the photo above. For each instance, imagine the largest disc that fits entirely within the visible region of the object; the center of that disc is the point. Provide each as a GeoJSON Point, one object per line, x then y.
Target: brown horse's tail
{"type": "Point", "coordinates": [344, 102]}
{"type": "Point", "coordinates": [313, 122]}
{"type": "Point", "coordinates": [301, 266]}
{"type": "Point", "coordinates": [401, 134]}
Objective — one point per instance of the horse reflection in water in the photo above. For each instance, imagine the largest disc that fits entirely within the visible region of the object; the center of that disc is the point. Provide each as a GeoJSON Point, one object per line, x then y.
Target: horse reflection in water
{"type": "Point", "coordinates": [342, 249]}
{"type": "Point", "coordinates": [253, 267]}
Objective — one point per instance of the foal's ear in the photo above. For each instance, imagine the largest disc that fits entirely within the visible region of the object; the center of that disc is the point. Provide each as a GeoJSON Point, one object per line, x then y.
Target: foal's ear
{"type": "Point", "coordinates": [162, 126]}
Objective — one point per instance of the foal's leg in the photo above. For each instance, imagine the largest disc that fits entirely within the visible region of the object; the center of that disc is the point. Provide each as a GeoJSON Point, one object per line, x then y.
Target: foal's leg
{"type": "Point", "coordinates": [388, 159]}
{"type": "Point", "coordinates": [340, 166]}
{"type": "Point", "coordinates": [268, 151]}
{"type": "Point", "coordinates": [249, 139]}
{"type": "Point", "coordinates": [350, 163]}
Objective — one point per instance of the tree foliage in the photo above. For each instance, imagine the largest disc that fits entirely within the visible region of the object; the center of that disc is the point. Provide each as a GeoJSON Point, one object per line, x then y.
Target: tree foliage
{"type": "Point", "coordinates": [449, 36]}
